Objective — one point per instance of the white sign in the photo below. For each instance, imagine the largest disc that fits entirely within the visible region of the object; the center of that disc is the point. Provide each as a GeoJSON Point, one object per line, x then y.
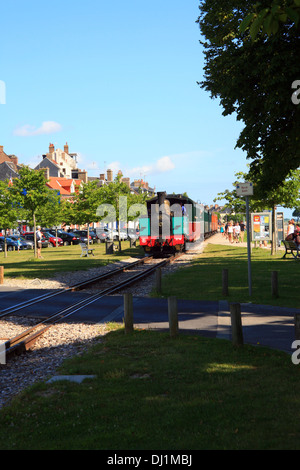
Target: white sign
{"type": "Point", "coordinates": [244, 189]}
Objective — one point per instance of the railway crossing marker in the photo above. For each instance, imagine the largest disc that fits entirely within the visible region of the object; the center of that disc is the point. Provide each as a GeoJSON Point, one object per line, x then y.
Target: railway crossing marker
{"type": "Point", "coordinates": [246, 190]}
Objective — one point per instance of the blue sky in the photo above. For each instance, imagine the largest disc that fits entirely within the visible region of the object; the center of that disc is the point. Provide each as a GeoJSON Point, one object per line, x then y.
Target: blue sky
{"type": "Point", "coordinates": [117, 81]}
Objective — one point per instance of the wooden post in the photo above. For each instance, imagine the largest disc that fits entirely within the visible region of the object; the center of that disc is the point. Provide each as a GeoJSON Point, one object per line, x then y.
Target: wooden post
{"type": "Point", "coordinates": [173, 316]}
{"type": "Point", "coordinates": [128, 313]}
{"type": "Point", "coordinates": [297, 327]}
{"type": "Point", "coordinates": [225, 282]}
{"type": "Point", "coordinates": [236, 324]}
{"type": "Point", "coordinates": [158, 280]}
{"type": "Point", "coordinates": [274, 283]}
{"type": "Point", "coordinates": [1, 274]}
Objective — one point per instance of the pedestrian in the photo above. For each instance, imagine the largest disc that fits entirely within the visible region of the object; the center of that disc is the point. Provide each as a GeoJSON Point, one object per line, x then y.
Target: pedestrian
{"type": "Point", "coordinates": [226, 230]}
{"type": "Point", "coordinates": [291, 227]}
{"type": "Point", "coordinates": [242, 231]}
{"type": "Point", "coordinates": [19, 244]}
{"type": "Point", "coordinates": [236, 232]}
{"type": "Point", "coordinates": [39, 242]}
{"type": "Point", "coordinates": [230, 232]}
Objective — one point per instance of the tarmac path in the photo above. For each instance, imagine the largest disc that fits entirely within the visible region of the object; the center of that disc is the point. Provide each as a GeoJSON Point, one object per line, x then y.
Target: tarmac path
{"type": "Point", "coordinates": [262, 325]}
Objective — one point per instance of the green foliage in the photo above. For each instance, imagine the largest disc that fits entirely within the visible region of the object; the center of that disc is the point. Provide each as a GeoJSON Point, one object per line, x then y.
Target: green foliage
{"type": "Point", "coordinates": [285, 195]}
{"type": "Point", "coordinates": [8, 207]}
{"type": "Point", "coordinates": [253, 80]}
{"type": "Point", "coordinates": [32, 194]}
{"type": "Point", "coordinates": [266, 21]}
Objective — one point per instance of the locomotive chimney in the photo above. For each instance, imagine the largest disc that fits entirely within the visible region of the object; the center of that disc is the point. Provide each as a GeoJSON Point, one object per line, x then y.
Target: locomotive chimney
{"type": "Point", "coordinates": [161, 197]}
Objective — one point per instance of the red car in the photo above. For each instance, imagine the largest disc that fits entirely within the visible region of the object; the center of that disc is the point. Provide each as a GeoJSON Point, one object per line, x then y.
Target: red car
{"type": "Point", "coordinates": [52, 239]}
{"type": "Point", "coordinates": [47, 238]}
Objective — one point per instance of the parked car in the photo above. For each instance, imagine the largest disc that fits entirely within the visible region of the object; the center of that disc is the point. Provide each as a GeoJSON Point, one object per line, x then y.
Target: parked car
{"type": "Point", "coordinates": [110, 234]}
{"type": "Point", "coordinates": [52, 239]}
{"type": "Point", "coordinates": [93, 234]}
{"type": "Point", "coordinates": [105, 234]}
{"type": "Point", "coordinates": [30, 237]}
{"type": "Point", "coordinates": [83, 235]}
{"type": "Point", "coordinates": [133, 233]}
{"type": "Point", "coordinates": [27, 245]}
{"type": "Point", "coordinates": [68, 238]}
{"type": "Point", "coordinates": [11, 244]}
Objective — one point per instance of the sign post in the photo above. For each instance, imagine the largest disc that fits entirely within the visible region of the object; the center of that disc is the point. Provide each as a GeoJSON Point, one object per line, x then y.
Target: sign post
{"type": "Point", "coordinates": [246, 190]}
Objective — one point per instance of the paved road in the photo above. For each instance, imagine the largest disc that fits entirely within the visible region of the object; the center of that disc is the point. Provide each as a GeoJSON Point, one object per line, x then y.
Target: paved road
{"type": "Point", "coordinates": [262, 325]}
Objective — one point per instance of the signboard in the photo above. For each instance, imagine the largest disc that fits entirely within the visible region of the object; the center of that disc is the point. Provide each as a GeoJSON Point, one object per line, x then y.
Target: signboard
{"type": "Point", "coordinates": [244, 189]}
{"type": "Point", "coordinates": [280, 227]}
{"type": "Point", "coordinates": [261, 225]}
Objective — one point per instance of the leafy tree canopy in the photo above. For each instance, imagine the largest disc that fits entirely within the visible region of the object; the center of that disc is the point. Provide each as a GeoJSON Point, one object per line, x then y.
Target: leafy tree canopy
{"type": "Point", "coordinates": [253, 79]}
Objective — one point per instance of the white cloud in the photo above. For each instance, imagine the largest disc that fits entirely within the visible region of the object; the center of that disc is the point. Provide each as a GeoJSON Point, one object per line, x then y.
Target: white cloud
{"type": "Point", "coordinates": [47, 127]}
{"type": "Point", "coordinates": [162, 165]}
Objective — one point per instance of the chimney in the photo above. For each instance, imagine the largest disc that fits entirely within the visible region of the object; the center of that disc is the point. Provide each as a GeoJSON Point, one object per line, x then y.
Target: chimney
{"type": "Point", "coordinates": [51, 148]}
{"type": "Point", "coordinates": [82, 175]}
{"type": "Point", "coordinates": [66, 148]}
{"type": "Point", "coordinates": [1, 148]}
{"type": "Point", "coordinates": [126, 181]}
{"type": "Point", "coordinates": [102, 177]}
{"type": "Point", "coordinates": [14, 159]}
{"type": "Point", "coordinates": [109, 176]}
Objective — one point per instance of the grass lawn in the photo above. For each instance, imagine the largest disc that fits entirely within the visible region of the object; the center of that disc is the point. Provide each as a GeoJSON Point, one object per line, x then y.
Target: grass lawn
{"type": "Point", "coordinates": [203, 279]}
{"type": "Point", "coordinates": [152, 392]}
{"type": "Point", "coordinates": [60, 259]}
{"type": "Point", "coordinates": [156, 393]}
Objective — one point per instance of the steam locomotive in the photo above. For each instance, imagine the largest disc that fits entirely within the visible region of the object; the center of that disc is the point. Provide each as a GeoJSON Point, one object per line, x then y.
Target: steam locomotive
{"type": "Point", "coordinates": [172, 221]}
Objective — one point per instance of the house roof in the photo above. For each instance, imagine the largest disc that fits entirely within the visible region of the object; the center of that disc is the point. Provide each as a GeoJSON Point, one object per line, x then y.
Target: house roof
{"type": "Point", "coordinates": [7, 171]}
{"type": "Point", "coordinates": [63, 185]}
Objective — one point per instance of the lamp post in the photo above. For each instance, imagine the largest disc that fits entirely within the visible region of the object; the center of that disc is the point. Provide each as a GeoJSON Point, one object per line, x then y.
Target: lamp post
{"type": "Point", "coordinates": [246, 190]}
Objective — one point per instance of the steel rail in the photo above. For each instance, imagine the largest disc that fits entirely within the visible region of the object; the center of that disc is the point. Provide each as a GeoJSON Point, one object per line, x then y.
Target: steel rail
{"type": "Point", "coordinates": [25, 340]}
{"type": "Point", "coordinates": [78, 286]}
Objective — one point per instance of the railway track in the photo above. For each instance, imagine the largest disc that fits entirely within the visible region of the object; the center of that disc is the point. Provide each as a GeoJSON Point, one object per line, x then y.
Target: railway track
{"type": "Point", "coordinates": [74, 287]}
{"type": "Point", "coordinates": [24, 341]}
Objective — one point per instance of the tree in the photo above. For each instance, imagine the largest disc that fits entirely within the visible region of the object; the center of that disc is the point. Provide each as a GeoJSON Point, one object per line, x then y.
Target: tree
{"type": "Point", "coordinates": [32, 194]}
{"type": "Point", "coordinates": [119, 204]}
{"type": "Point", "coordinates": [266, 21]}
{"type": "Point", "coordinates": [8, 210]}
{"type": "Point", "coordinates": [82, 209]}
{"type": "Point", "coordinates": [253, 79]}
{"type": "Point", "coordinates": [286, 195]}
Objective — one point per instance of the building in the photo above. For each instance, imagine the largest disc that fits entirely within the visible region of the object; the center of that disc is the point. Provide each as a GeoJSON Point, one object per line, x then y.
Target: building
{"type": "Point", "coordinates": [8, 165]}
{"type": "Point", "coordinates": [62, 164]}
{"type": "Point", "coordinates": [142, 186]}
{"type": "Point", "coordinates": [136, 186]}
{"type": "Point", "coordinates": [65, 186]}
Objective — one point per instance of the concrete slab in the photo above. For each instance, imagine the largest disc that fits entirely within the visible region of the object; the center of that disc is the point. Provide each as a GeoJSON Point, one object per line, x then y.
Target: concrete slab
{"type": "Point", "coordinates": [70, 378]}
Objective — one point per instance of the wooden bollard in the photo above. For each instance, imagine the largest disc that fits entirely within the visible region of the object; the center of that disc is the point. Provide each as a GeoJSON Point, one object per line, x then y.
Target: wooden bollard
{"type": "Point", "coordinates": [274, 283]}
{"type": "Point", "coordinates": [236, 324]}
{"type": "Point", "coordinates": [158, 280]}
{"type": "Point", "coordinates": [128, 313]}
{"type": "Point", "coordinates": [297, 327]}
{"type": "Point", "coordinates": [173, 316]}
{"type": "Point", "coordinates": [1, 274]}
{"type": "Point", "coordinates": [225, 282]}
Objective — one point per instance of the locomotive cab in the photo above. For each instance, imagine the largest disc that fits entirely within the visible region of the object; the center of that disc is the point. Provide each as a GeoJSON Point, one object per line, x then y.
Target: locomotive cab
{"type": "Point", "coordinates": [169, 224]}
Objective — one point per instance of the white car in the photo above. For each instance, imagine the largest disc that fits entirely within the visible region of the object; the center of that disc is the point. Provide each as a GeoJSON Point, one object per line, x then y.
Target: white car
{"type": "Point", "coordinates": [110, 234]}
